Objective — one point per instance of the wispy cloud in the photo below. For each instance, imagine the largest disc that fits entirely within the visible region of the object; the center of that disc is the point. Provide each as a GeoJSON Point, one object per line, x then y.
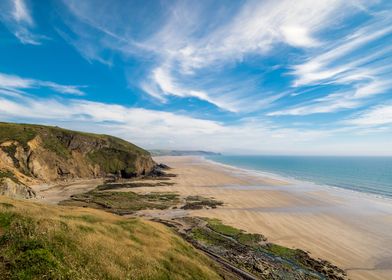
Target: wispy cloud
{"type": "Point", "coordinates": [376, 116]}
{"type": "Point", "coordinates": [17, 16]}
{"type": "Point", "coordinates": [189, 40]}
{"type": "Point", "coordinates": [329, 104]}
{"type": "Point", "coordinates": [16, 83]}
{"type": "Point", "coordinates": [21, 13]}
{"type": "Point", "coordinates": [358, 63]}
{"type": "Point", "coordinates": [338, 61]}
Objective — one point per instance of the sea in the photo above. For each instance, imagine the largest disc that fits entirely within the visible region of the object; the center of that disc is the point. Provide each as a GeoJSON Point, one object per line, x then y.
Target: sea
{"type": "Point", "coordinates": [371, 175]}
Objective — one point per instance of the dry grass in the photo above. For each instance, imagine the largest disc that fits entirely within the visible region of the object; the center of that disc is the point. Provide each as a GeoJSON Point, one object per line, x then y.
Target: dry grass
{"type": "Point", "coordinates": [77, 243]}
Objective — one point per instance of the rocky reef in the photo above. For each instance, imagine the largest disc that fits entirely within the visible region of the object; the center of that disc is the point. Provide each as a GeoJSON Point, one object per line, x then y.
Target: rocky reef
{"type": "Point", "coordinates": [251, 256]}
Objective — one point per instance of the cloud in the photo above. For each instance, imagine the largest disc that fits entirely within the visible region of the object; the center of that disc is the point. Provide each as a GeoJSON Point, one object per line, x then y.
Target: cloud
{"type": "Point", "coordinates": [154, 128]}
{"type": "Point", "coordinates": [298, 36]}
{"type": "Point", "coordinates": [376, 116]}
{"type": "Point", "coordinates": [356, 68]}
{"type": "Point", "coordinates": [160, 129]}
{"type": "Point", "coordinates": [165, 85]}
{"type": "Point", "coordinates": [332, 103]}
{"type": "Point", "coordinates": [332, 65]}
{"type": "Point", "coordinates": [17, 17]}
{"type": "Point", "coordinates": [16, 83]}
{"type": "Point", "coordinates": [186, 40]}
{"type": "Point", "coordinates": [21, 13]}
{"type": "Point", "coordinates": [255, 28]}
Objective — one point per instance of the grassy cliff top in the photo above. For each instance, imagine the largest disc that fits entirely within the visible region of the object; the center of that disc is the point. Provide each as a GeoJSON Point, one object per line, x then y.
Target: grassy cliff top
{"type": "Point", "coordinates": [23, 133]}
{"type": "Point", "coordinates": [51, 242]}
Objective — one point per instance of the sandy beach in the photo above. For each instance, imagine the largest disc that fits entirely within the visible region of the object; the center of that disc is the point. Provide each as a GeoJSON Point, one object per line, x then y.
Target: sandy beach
{"type": "Point", "coordinates": [350, 230]}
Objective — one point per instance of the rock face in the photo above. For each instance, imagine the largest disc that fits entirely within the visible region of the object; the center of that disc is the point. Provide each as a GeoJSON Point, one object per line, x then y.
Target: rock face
{"type": "Point", "coordinates": [15, 190]}
{"type": "Point", "coordinates": [34, 154]}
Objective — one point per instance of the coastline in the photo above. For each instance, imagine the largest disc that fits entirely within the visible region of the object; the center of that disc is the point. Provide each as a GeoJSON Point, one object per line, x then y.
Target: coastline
{"type": "Point", "coordinates": [295, 180]}
{"type": "Point", "coordinates": [330, 224]}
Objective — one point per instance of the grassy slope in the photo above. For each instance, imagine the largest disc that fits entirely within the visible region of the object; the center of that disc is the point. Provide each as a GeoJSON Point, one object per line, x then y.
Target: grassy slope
{"type": "Point", "coordinates": [52, 242]}
{"type": "Point", "coordinates": [26, 132]}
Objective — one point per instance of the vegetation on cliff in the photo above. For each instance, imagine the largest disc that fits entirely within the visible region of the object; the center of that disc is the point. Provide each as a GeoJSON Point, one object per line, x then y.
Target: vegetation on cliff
{"type": "Point", "coordinates": [36, 153]}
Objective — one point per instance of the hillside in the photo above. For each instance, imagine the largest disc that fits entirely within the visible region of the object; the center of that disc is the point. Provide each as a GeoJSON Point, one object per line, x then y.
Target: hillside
{"type": "Point", "coordinates": [52, 242]}
{"type": "Point", "coordinates": [31, 154]}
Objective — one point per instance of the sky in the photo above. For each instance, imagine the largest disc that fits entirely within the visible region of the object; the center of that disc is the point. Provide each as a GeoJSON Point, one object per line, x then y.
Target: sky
{"type": "Point", "coordinates": [281, 77]}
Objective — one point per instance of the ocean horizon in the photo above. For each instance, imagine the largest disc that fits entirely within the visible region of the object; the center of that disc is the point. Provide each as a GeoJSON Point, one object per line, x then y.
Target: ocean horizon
{"type": "Point", "coordinates": [365, 174]}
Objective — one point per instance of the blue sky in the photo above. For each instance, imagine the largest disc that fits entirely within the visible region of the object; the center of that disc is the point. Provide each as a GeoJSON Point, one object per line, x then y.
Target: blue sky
{"type": "Point", "coordinates": [262, 77]}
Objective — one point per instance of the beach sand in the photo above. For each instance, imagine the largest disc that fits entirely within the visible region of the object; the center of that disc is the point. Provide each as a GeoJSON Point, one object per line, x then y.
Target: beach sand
{"type": "Point", "coordinates": [353, 232]}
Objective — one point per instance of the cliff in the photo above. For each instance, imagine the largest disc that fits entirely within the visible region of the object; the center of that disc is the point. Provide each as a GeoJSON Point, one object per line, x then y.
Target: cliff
{"type": "Point", "coordinates": [31, 154]}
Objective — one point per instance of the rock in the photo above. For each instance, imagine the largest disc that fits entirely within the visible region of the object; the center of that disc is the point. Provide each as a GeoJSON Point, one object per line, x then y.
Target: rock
{"type": "Point", "coordinates": [15, 190]}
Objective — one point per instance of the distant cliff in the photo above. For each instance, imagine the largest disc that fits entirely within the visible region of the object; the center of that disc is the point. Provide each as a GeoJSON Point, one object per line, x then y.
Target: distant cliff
{"type": "Point", "coordinates": [36, 154]}
{"type": "Point", "coordinates": [182, 153]}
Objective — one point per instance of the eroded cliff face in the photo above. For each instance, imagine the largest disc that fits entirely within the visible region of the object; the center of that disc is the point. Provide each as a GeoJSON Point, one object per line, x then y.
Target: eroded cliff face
{"type": "Point", "coordinates": [32, 154]}
{"type": "Point", "coordinates": [15, 190]}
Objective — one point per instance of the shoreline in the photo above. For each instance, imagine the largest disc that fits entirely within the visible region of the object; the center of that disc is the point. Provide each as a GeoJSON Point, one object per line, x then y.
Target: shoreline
{"type": "Point", "coordinates": [331, 224]}
{"type": "Point", "coordinates": [295, 181]}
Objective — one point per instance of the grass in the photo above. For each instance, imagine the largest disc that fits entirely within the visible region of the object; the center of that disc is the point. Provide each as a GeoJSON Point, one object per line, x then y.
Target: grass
{"type": "Point", "coordinates": [16, 132]}
{"type": "Point", "coordinates": [113, 160]}
{"type": "Point", "coordinates": [122, 202]}
{"type": "Point", "coordinates": [52, 143]}
{"type": "Point", "coordinates": [282, 251]}
{"type": "Point", "coordinates": [52, 242]}
{"type": "Point", "coordinates": [199, 202]}
{"type": "Point", "coordinates": [248, 239]}
{"type": "Point", "coordinates": [130, 185]}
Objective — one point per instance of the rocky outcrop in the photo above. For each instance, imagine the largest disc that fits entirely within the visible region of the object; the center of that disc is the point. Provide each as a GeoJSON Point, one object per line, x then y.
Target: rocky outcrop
{"type": "Point", "coordinates": [35, 154]}
{"type": "Point", "coordinates": [15, 190]}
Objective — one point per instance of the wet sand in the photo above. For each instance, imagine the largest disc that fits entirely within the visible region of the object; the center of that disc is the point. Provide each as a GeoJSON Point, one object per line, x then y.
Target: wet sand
{"type": "Point", "coordinates": [352, 231]}
{"type": "Point", "coordinates": [54, 193]}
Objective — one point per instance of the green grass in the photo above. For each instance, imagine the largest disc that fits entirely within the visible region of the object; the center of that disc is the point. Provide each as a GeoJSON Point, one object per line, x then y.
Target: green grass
{"type": "Point", "coordinates": [217, 226]}
{"type": "Point", "coordinates": [6, 218]}
{"type": "Point", "coordinates": [130, 185]}
{"type": "Point", "coordinates": [122, 202]}
{"type": "Point", "coordinates": [199, 202]}
{"type": "Point", "coordinates": [28, 255]}
{"type": "Point", "coordinates": [281, 251]}
{"type": "Point", "coordinates": [113, 160]}
{"type": "Point", "coordinates": [17, 132]}
{"type": "Point", "coordinates": [51, 143]}
{"type": "Point", "coordinates": [51, 242]}
{"type": "Point", "coordinates": [249, 239]}
{"type": "Point", "coordinates": [209, 237]}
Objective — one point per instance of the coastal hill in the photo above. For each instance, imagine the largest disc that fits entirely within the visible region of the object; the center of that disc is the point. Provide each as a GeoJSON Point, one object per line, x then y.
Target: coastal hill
{"type": "Point", "coordinates": [182, 153]}
{"type": "Point", "coordinates": [34, 154]}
